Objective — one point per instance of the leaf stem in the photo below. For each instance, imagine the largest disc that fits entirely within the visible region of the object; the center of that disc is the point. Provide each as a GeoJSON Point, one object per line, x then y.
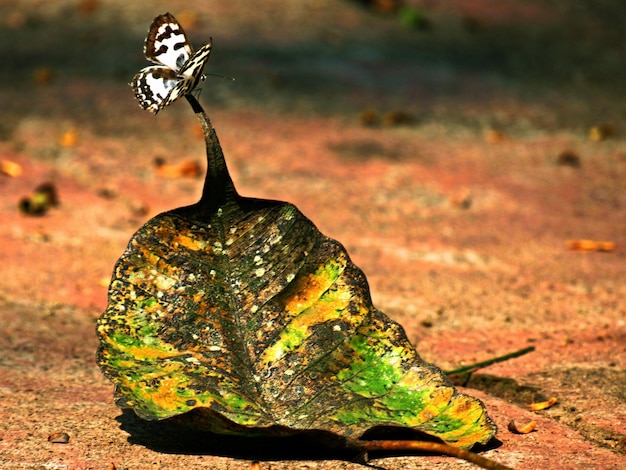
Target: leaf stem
{"type": "Point", "coordinates": [480, 365]}
{"type": "Point", "coordinates": [195, 105]}
{"type": "Point", "coordinates": [218, 185]}
{"type": "Point", "coordinates": [433, 447]}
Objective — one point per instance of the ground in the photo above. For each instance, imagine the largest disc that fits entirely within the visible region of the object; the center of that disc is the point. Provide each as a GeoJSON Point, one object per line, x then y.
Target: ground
{"type": "Point", "coordinates": [456, 161]}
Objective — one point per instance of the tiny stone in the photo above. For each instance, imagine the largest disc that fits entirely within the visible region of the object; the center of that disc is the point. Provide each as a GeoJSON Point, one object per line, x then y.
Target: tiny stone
{"type": "Point", "coordinates": [59, 438]}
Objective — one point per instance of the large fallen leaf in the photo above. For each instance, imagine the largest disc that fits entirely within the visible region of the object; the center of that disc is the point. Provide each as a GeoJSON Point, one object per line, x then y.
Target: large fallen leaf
{"type": "Point", "coordinates": [241, 310]}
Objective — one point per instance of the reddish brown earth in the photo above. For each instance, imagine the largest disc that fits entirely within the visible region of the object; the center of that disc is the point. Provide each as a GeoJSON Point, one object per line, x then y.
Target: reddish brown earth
{"type": "Point", "coordinates": [459, 218]}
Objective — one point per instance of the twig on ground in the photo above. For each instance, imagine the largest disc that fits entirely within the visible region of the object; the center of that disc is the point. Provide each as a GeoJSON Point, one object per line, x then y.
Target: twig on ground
{"type": "Point", "coordinates": [479, 365]}
{"type": "Point", "coordinates": [432, 447]}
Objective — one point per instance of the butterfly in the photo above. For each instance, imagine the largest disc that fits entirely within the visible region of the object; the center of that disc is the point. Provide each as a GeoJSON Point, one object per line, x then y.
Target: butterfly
{"type": "Point", "coordinates": [179, 70]}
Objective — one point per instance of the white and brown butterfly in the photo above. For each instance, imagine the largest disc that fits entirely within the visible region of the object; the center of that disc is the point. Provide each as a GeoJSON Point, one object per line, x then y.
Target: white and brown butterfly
{"type": "Point", "coordinates": [179, 70]}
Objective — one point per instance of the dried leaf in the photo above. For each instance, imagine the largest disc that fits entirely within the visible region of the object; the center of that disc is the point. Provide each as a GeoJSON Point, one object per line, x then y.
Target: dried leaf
{"type": "Point", "coordinates": [543, 405]}
{"type": "Point", "coordinates": [9, 168]}
{"type": "Point", "coordinates": [568, 158]}
{"type": "Point", "coordinates": [601, 132]}
{"type": "Point", "coordinates": [589, 245]}
{"type": "Point", "coordinates": [38, 203]}
{"type": "Point", "coordinates": [239, 316]}
{"type": "Point", "coordinates": [187, 168]}
{"type": "Point", "coordinates": [525, 429]}
{"type": "Point", "coordinates": [69, 139]}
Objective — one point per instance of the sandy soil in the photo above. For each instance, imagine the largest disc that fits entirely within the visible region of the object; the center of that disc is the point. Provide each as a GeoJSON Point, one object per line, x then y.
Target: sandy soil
{"type": "Point", "coordinates": [459, 216]}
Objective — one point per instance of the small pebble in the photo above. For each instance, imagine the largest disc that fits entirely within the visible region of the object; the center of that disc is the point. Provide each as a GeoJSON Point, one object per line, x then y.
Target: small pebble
{"type": "Point", "coordinates": [59, 438]}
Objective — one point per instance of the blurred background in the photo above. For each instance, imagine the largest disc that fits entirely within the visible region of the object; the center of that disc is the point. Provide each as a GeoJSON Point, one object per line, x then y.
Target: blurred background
{"type": "Point", "coordinates": [438, 127]}
{"type": "Point", "coordinates": [469, 154]}
{"type": "Point", "coordinates": [523, 65]}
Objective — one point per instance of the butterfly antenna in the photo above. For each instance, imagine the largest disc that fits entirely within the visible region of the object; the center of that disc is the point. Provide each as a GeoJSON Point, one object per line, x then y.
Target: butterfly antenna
{"type": "Point", "coordinates": [205, 75]}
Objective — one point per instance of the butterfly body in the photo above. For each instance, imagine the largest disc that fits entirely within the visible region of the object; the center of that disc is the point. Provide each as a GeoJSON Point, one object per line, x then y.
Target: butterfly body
{"type": "Point", "coordinates": [178, 70]}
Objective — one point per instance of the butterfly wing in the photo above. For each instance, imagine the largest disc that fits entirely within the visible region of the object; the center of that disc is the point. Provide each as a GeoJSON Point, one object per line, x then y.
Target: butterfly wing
{"type": "Point", "coordinates": [155, 87]}
{"type": "Point", "coordinates": [192, 70]}
{"type": "Point", "coordinates": [167, 43]}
